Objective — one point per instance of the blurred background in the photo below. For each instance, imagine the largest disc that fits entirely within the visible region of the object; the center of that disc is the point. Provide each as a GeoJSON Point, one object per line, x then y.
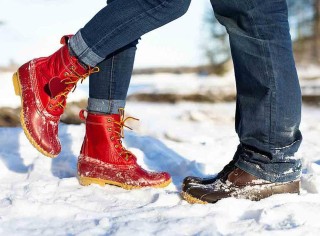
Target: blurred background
{"type": "Point", "coordinates": [187, 60]}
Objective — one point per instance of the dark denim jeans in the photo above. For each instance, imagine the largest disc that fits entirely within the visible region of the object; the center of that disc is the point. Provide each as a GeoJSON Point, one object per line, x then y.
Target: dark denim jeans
{"type": "Point", "coordinates": [120, 23]}
{"type": "Point", "coordinates": [109, 41]}
{"type": "Point", "coordinates": [268, 109]}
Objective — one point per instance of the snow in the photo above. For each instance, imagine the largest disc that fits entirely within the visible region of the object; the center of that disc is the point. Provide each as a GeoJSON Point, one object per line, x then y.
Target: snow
{"type": "Point", "coordinates": [41, 196]}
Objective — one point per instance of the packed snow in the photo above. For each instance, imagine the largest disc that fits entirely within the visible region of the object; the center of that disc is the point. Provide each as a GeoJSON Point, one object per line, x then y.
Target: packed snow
{"type": "Point", "coordinates": [41, 196]}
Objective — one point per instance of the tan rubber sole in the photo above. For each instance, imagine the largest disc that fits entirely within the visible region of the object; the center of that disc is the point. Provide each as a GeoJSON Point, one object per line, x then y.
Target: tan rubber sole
{"type": "Point", "coordinates": [85, 181]}
{"type": "Point", "coordinates": [192, 200]}
{"type": "Point", "coordinates": [17, 90]}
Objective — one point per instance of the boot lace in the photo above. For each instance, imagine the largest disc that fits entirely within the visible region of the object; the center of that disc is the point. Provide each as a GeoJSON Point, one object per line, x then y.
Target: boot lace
{"type": "Point", "coordinates": [120, 134]}
{"type": "Point", "coordinates": [72, 80]}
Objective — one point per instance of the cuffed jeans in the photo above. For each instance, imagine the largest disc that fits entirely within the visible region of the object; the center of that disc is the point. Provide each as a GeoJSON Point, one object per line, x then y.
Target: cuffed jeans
{"type": "Point", "coordinates": [109, 41]}
{"type": "Point", "coordinates": [268, 109]}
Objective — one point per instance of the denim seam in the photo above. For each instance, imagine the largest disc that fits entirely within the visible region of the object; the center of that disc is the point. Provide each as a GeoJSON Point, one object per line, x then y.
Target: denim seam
{"type": "Point", "coordinates": [268, 107]}
{"type": "Point", "coordinates": [111, 82]}
{"type": "Point", "coordinates": [127, 22]}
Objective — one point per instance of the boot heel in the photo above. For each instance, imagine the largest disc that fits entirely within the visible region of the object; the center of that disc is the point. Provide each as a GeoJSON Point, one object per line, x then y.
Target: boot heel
{"type": "Point", "coordinates": [16, 84]}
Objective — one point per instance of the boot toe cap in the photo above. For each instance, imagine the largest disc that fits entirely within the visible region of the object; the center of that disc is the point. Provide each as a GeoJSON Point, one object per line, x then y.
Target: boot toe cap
{"type": "Point", "coordinates": [206, 194]}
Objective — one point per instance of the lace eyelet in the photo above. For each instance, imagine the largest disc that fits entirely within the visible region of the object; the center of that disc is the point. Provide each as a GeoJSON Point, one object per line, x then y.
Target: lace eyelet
{"type": "Point", "coordinates": [109, 129]}
{"type": "Point", "coordinates": [112, 138]}
{"type": "Point", "coordinates": [66, 74]}
{"type": "Point", "coordinates": [109, 120]}
{"type": "Point", "coordinates": [116, 146]}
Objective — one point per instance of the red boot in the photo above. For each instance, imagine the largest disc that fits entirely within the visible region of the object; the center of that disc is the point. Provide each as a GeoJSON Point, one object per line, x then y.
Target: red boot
{"type": "Point", "coordinates": [43, 85]}
{"type": "Point", "coordinates": [103, 160]}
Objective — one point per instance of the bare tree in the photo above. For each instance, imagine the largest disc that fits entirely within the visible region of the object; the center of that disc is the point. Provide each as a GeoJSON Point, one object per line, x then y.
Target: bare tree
{"type": "Point", "coordinates": [316, 31]}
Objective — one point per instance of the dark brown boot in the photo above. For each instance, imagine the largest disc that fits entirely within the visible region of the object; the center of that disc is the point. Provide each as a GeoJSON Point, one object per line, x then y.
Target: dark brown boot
{"type": "Point", "coordinates": [238, 184]}
{"type": "Point", "coordinates": [192, 180]}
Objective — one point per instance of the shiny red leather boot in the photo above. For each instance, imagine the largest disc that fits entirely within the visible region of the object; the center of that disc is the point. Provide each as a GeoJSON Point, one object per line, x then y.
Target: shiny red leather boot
{"type": "Point", "coordinates": [103, 160]}
{"type": "Point", "coordinates": [43, 85]}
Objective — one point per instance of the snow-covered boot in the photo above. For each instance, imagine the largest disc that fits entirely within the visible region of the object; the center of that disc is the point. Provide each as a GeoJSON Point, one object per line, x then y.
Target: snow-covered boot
{"type": "Point", "coordinates": [103, 159]}
{"type": "Point", "coordinates": [238, 184]}
{"type": "Point", "coordinates": [193, 180]}
{"type": "Point", "coordinates": [43, 85]}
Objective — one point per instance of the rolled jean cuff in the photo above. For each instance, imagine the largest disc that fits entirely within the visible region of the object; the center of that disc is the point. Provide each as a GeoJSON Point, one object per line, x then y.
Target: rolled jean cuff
{"type": "Point", "coordinates": [83, 52]}
{"type": "Point", "coordinates": [258, 172]}
{"type": "Point", "coordinates": [105, 106]}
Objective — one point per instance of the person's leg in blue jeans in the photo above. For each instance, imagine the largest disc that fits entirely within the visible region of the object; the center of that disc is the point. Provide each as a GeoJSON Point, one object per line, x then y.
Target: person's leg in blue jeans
{"type": "Point", "coordinates": [108, 89]}
{"type": "Point", "coordinates": [268, 109]}
{"type": "Point", "coordinates": [44, 84]}
{"type": "Point", "coordinates": [120, 23]}
{"type": "Point", "coordinates": [103, 159]}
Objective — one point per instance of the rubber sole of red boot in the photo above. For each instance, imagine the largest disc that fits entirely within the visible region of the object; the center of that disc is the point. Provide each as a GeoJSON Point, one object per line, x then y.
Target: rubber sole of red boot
{"type": "Point", "coordinates": [85, 181]}
{"type": "Point", "coordinates": [17, 88]}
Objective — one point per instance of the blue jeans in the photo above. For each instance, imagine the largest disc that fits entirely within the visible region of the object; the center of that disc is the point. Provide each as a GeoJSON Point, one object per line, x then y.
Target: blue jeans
{"type": "Point", "coordinates": [109, 41]}
{"type": "Point", "coordinates": [108, 88]}
{"type": "Point", "coordinates": [268, 109]}
{"type": "Point", "coordinates": [120, 23]}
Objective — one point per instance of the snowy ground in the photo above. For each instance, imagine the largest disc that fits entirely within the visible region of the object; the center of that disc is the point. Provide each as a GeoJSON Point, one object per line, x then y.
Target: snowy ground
{"type": "Point", "coordinates": [40, 196]}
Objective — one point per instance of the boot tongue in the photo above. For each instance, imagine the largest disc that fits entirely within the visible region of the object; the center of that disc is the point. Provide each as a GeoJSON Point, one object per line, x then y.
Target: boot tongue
{"type": "Point", "coordinates": [56, 86]}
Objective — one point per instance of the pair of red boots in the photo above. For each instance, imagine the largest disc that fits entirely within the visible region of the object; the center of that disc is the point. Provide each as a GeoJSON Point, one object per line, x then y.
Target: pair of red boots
{"type": "Point", "coordinates": [44, 85]}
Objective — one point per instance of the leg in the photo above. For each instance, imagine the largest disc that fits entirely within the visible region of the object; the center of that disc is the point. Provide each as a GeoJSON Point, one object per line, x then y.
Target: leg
{"type": "Point", "coordinates": [44, 83]}
{"type": "Point", "coordinates": [108, 88]}
{"type": "Point", "coordinates": [108, 91]}
{"type": "Point", "coordinates": [103, 159]}
{"type": "Point", "coordinates": [268, 94]}
{"type": "Point", "coordinates": [121, 22]}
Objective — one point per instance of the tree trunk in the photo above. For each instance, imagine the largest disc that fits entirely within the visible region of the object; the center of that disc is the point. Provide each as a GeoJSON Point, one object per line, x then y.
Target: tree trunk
{"type": "Point", "coordinates": [316, 49]}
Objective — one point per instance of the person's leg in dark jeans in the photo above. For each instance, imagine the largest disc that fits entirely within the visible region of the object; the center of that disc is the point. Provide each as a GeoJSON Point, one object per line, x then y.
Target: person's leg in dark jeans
{"type": "Point", "coordinates": [107, 96]}
{"type": "Point", "coordinates": [268, 110]}
{"type": "Point", "coordinates": [44, 83]}
{"type": "Point", "coordinates": [108, 89]}
{"type": "Point", "coordinates": [120, 23]}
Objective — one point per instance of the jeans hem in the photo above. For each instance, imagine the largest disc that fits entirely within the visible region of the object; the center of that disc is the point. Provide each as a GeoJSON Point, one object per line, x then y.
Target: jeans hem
{"type": "Point", "coordinates": [105, 106]}
{"type": "Point", "coordinates": [83, 52]}
{"type": "Point", "coordinates": [256, 171]}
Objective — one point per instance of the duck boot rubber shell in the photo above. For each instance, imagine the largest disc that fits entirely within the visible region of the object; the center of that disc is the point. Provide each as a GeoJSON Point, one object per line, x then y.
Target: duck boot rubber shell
{"type": "Point", "coordinates": [43, 85]}
{"type": "Point", "coordinates": [238, 184]}
{"type": "Point", "coordinates": [103, 159]}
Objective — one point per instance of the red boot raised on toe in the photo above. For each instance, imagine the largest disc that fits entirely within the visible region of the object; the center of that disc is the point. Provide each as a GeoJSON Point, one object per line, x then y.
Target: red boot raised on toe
{"type": "Point", "coordinates": [103, 160]}
{"type": "Point", "coordinates": [43, 85]}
